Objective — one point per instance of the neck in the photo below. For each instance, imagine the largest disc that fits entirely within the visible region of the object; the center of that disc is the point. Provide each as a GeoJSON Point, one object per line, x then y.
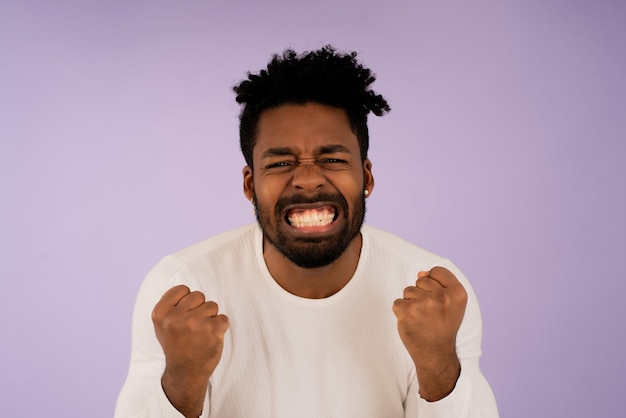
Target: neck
{"type": "Point", "coordinates": [313, 283]}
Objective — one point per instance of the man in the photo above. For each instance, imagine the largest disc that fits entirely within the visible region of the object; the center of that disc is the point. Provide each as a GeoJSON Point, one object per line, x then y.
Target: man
{"type": "Point", "coordinates": [319, 316]}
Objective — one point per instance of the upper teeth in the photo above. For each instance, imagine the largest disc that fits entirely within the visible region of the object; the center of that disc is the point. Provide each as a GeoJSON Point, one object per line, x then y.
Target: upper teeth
{"type": "Point", "coordinates": [311, 218]}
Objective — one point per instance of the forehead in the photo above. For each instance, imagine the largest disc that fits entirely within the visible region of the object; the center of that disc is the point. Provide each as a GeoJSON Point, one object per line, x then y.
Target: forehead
{"type": "Point", "coordinates": [304, 127]}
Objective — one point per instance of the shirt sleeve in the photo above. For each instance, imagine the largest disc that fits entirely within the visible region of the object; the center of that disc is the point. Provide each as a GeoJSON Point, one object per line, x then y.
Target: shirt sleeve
{"type": "Point", "coordinates": [472, 396]}
{"type": "Point", "coordinates": [142, 394]}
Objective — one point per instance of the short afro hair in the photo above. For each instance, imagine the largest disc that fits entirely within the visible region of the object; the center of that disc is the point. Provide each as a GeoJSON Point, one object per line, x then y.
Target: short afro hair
{"type": "Point", "coordinates": [324, 76]}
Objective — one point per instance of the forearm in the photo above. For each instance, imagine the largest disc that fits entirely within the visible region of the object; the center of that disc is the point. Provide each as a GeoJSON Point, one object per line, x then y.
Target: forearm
{"type": "Point", "coordinates": [186, 395]}
{"type": "Point", "coordinates": [471, 398]}
{"type": "Point", "coordinates": [438, 379]}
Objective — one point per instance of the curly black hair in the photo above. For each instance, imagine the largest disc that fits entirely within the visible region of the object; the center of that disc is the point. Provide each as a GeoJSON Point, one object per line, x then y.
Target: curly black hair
{"type": "Point", "coordinates": [323, 76]}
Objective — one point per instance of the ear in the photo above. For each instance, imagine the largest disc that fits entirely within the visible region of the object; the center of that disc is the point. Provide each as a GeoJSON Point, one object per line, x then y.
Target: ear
{"type": "Point", "coordinates": [248, 182]}
{"type": "Point", "coordinates": [368, 177]}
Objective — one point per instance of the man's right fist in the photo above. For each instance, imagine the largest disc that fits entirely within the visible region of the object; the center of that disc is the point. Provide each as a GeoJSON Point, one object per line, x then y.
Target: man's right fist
{"type": "Point", "coordinates": [190, 332]}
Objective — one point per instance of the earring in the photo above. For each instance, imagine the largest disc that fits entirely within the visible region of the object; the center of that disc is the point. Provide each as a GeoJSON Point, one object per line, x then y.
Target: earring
{"type": "Point", "coordinates": [366, 192]}
{"type": "Point", "coordinates": [253, 206]}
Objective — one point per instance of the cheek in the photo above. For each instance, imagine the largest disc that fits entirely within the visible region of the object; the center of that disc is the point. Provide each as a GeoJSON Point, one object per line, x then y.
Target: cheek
{"type": "Point", "coordinates": [349, 185]}
{"type": "Point", "coordinates": [267, 191]}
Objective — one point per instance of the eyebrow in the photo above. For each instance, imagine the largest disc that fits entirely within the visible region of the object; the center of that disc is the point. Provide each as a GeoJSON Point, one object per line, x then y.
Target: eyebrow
{"type": "Point", "coordinates": [277, 152]}
{"type": "Point", "coordinates": [331, 149]}
{"type": "Point", "coordinates": [282, 151]}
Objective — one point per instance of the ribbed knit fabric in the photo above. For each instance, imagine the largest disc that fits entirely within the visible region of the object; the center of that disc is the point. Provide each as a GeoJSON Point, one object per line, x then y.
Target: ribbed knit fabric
{"type": "Point", "coordinates": [287, 356]}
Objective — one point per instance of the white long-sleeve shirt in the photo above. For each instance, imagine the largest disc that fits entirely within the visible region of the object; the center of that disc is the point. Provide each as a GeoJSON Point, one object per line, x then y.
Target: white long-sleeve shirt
{"type": "Point", "coordinates": [287, 356]}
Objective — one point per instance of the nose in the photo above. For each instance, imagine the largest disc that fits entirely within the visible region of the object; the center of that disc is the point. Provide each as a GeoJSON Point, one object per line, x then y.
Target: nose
{"type": "Point", "coordinates": [308, 176]}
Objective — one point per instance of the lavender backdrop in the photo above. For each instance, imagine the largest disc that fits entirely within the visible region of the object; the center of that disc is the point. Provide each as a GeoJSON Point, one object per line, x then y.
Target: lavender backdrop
{"type": "Point", "coordinates": [504, 152]}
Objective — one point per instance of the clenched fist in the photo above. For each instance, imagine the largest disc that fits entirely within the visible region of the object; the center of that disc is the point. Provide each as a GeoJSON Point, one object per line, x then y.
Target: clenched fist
{"type": "Point", "coordinates": [191, 334]}
{"type": "Point", "coordinates": [429, 317]}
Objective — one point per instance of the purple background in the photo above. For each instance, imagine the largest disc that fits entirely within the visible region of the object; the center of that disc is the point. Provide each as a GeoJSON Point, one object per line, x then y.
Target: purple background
{"type": "Point", "coordinates": [504, 151]}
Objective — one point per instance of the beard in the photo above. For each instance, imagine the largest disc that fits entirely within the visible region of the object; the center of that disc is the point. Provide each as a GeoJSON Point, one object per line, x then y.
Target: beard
{"type": "Point", "coordinates": [311, 252]}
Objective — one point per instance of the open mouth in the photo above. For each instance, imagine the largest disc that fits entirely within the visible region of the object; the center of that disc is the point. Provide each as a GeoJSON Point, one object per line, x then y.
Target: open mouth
{"type": "Point", "coordinates": [305, 218]}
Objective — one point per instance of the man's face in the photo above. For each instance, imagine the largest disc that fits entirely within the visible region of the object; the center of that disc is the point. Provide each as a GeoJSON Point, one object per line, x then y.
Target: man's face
{"type": "Point", "coordinates": [308, 182]}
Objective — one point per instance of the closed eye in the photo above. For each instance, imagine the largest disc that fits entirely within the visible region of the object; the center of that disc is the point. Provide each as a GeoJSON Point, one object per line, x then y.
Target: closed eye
{"type": "Point", "coordinates": [333, 163]}
{"type": "Point", "coordinates": [279, 164]}
{"type": "Point", "coordinates": [332, 160]}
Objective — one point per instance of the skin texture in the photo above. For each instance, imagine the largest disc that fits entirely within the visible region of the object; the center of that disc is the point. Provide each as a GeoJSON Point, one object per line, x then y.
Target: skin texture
{"type": "Point", "coordinates": [302, 152]}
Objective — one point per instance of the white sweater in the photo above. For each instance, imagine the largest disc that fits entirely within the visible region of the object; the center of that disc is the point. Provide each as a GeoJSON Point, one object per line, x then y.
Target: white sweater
{"type": "Point", "coordinates": [287, 356]}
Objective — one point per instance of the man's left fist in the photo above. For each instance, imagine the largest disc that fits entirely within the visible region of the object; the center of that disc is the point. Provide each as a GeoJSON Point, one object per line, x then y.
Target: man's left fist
{"type": "Point", "coordinates": [429, 317]}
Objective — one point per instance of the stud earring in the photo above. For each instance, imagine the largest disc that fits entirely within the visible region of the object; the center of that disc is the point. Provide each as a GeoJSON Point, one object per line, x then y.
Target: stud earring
{"type": "Point", "coordinates": [366, 192]}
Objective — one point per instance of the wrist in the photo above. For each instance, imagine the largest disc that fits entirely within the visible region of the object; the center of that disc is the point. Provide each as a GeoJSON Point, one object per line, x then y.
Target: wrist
{"type": "Point", "coordinates": [185, 393]}
{"type": "Point", "coordinates": [438, 380]}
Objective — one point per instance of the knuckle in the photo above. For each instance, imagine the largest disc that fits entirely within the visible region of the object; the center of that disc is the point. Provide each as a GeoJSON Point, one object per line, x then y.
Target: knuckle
{"type": "Point", "coordinates": [397, 305]}
{"type": "Point", "coordinates": [408, 291]}
{"type": "Point", "coordinates": [414, 309]}
{"type": "Point", "coordinates": [436, 269]}
{"type": "Point", "coordinates": [181, 288]}
{"type": "Point", "coordinates": [221, 322]}
{"type": "Point", "coordinates": [158, 314]}
{"type": "Point", "coordinates": [196, 295]}
{"type": "Point", "coordinates": [211, 305]}
{"type": "Point", "coordinates": [195, 324]}
{"type": "Point", "coordinates": [166, 325]}
{"type": "Point", "coordinates": [399, 308]}
{"type": "Point", "coordinates": [439, 271]}
{"type": "Point", "coordinates": [460, 294]}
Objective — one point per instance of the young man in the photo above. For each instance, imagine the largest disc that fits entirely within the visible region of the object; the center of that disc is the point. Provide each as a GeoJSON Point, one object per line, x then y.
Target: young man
{"type": "Point", "coordinates": [319, 315]}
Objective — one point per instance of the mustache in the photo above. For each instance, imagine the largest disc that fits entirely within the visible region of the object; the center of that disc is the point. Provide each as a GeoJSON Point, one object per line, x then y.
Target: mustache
{"type": "Point", "coordinates": [338, 199]}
